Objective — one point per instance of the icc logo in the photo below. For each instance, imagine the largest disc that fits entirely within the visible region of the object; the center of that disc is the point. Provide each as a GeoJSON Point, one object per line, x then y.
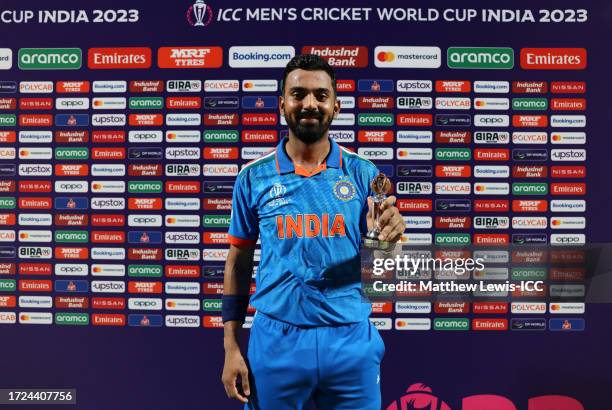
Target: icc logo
{"type": "Point", "coordinates": [199, 14]}
{"type": "Point", "coordinates": [277, 191]}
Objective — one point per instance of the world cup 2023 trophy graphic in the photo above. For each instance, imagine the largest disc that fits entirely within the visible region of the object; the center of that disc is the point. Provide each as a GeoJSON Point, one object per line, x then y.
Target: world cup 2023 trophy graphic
{"type": "Point", "coordinates": [381, 185]}
{"type": "Point", "coordinates": [199, 10]}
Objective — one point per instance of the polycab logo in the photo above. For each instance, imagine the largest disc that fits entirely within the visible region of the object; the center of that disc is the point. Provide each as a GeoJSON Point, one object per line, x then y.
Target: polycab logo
{"type": "Point", "coordinates": [340, 56]}
{"type": "Point", "coordinates": [190, 57]}
{"type": "Point", "coordinates": [260, 56]}
{"type": "Point", "coordinates": [553, 58]}
{"type": "Point", "coordinates": [120, 57]}
{"type": "Point", "coordinates": [452, 103]}
{"type": "Point", "coordinates": [221, 86]}
{"type": "Point", "coordinates": [407, 57]}
{"type": "Point", "coordinates": [529, 222]}
{"type": "Point", "coordinates": [36, 87]}
{"type": "Point", "coordinates": [529, 138]}
{"type": "Point", "coordinates": [453, 188]}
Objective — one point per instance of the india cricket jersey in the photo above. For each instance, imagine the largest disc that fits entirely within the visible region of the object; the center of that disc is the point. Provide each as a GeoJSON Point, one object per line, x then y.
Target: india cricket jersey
{"type": "Point", "coordinates": [310, 225]}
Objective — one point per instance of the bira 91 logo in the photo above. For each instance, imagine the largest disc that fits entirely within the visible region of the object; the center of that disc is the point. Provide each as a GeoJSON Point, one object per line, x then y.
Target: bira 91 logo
{"type": "Point", "coordinates": [420, 397]}
{"type": "Point", "coordinates": [199, 14]}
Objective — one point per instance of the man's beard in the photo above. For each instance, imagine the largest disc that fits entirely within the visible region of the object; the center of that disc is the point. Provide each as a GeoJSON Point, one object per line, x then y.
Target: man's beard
{"type": "Point", "coordinates": [310, 133]}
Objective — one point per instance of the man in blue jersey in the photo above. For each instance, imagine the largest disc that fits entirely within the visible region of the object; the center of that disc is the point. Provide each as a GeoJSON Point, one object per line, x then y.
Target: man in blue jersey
{"type": "Point", "coordinates": [309, 202]}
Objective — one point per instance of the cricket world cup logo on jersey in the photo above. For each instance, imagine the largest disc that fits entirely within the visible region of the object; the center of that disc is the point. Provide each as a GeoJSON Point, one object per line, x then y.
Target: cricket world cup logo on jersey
{"type": "Point", "coordinates": [199, 14]}
{"type": "Point", "coordinates": [276, 194]}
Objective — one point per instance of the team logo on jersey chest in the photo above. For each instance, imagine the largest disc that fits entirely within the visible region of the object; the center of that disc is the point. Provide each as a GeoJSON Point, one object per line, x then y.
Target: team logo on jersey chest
{"type": "Point", "coordinates": [344, 190]}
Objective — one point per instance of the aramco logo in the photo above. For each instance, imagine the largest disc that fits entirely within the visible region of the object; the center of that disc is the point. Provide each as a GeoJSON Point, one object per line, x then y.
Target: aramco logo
{"type": "Point", "coordinates": [420, 397]}
{"type": "Point", "coordinates": [199, 14]}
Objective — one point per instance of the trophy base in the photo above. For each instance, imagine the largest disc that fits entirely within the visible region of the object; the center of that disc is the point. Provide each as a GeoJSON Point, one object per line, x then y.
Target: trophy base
{"type": "Point", "coordinates": [372, 243]}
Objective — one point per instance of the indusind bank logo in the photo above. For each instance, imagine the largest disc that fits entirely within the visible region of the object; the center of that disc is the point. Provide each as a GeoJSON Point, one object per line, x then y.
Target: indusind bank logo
{"type": "Point", "coordinates": [199, 14]}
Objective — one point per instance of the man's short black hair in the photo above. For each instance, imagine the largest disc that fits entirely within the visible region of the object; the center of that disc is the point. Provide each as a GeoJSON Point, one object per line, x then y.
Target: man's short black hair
{"type": "Point", "coordinates": [309, 62]}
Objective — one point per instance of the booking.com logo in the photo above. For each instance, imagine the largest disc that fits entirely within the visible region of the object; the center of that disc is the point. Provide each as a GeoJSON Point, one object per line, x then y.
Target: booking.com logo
{"type": "Point", "coordinates": [420, 397]}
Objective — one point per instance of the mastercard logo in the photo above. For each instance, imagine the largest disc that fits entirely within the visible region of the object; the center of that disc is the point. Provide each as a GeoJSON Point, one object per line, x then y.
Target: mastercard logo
{"type": "Point", "coordinates": [24, 153]}
{"type": "Point", "coordinates": [556, 222]}
{"type": "Point", "coordinates": [480, 188]}
{"type": "Point", "coordinates": [555, 307]}
{"type": "Point", "coordinates": [248, 85]}
{"type": "Point", "coordinates": [171, 136]}
{"type": "Point", "coordinates": [556, 137]}
{"type": "Point", "coordinates": [23, 235]}
{"type": "Point", "coordinates": [480, 103]}
{"type": "Point", "coordinates": [385, 56]}
{"type": "Point", "coordinates": [24, 317]}
{"type": "Point", "coordinates": [96, 186]}
{"type": "Point", "coordinates": [171, 304]}
{"type": "Point", "coordinates": [97, 269]}
{"type": "Point", "coordinates": [170, 220]}
{"type": "Point", "coordinates": [402, 153]}
{"type": "Point", "coordinates": [98, 103]}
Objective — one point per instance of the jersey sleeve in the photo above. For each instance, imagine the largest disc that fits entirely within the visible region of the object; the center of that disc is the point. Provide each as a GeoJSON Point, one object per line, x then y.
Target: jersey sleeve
{"type": "Point", "coordinates": [244, 229]}
{"type": "Point", "coordinates": [368, 174]}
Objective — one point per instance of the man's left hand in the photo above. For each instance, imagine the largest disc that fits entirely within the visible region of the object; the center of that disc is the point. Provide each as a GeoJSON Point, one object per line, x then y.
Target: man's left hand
{"type": "Point", "coordinates": [391, 224]}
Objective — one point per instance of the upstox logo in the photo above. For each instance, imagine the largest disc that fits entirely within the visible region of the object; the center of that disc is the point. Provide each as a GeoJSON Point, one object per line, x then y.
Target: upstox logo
{"type": "Point", "coordinates": [50, 58]}
{"type": "Point", "coordinates": [480, 57]}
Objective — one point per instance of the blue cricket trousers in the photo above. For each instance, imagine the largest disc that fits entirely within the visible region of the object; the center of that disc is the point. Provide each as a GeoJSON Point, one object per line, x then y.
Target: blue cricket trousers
{"type": "Point", "coordinates": [338, 367]}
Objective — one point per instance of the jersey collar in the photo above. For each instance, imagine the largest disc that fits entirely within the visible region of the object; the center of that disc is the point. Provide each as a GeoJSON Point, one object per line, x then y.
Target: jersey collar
{"type": "Point", "coordinates": [284, 164]}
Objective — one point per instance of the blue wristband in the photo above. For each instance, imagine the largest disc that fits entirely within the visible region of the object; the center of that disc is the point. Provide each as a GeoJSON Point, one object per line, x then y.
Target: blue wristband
{"type": "Point", "coordinates": [234, 307]}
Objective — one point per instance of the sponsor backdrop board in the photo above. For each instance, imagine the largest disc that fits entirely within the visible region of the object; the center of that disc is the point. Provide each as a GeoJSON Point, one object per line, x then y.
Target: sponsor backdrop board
{"type": "Point", "coordinates": [122, 128]}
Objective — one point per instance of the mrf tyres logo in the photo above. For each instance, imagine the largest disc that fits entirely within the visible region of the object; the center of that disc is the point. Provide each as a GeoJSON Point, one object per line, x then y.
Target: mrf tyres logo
{"type": "Point", "coordinates": [199, 14]}
{"type": "Point", "coordinates": [420, 396]}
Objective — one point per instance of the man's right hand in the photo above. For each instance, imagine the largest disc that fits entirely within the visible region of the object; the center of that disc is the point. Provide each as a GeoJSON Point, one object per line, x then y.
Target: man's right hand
{"type": "Point", "coordinates": [233, 368]}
